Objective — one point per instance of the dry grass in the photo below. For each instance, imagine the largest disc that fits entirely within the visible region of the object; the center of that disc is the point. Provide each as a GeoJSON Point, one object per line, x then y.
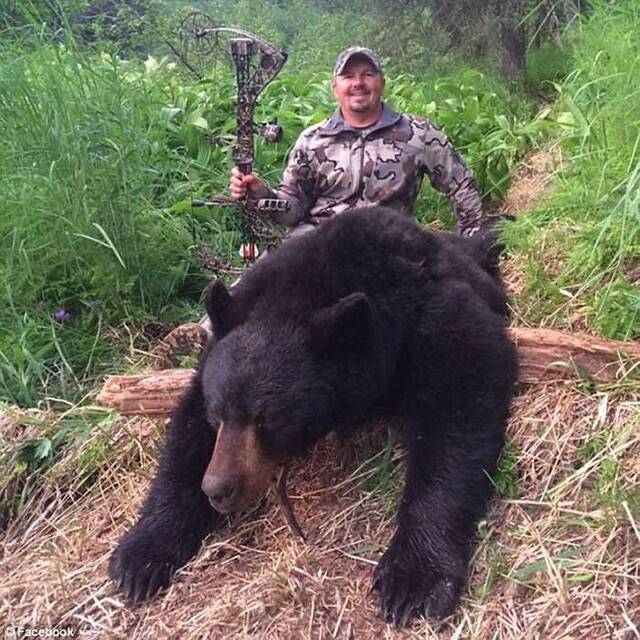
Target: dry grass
{"type": "Point", "coordinates": [531, 179]}
{"type": "Point", "coordinates": [560, 560]}
{"type": "Point", "coordinates": [523, 273]}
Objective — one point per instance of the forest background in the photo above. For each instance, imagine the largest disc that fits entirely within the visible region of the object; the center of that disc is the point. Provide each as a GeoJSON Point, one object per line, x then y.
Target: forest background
{"type": "Point", "coordinates": [106, 138]}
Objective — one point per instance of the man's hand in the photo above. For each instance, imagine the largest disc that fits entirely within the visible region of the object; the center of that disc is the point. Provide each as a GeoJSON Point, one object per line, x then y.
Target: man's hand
{"type": "Point", "coordinates": [241, 185]}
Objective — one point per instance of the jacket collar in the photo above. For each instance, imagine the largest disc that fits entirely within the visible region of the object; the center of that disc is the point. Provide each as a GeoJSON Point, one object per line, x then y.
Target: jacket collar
{"type": "Point", "coordinates": [336, 124]}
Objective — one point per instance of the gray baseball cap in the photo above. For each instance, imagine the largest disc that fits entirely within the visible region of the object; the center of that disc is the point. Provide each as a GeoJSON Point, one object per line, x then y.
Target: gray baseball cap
{"type": "Point", "coordinates": [349, 53]}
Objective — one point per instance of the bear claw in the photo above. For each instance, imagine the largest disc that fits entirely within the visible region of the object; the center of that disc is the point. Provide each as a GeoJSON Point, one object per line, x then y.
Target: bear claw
{"type": "Point", "coordinates": [140, 571]}
{"type": "Point", "coordinates": [413, 589]}
{"type": "Point", "coordinates": [142, 583]}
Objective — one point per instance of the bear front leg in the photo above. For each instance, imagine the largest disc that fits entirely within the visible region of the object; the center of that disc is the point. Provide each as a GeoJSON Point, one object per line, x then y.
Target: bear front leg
{"type": "Point", "coordinates": [176, 515]}
{"type": "Point", "coordinates": [424, 570]}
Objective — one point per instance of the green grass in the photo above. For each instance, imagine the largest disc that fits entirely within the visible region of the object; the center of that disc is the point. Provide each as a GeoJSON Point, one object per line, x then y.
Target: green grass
{"type": "Point", "coordinates": [88, 169]}
{"type": "Point", "coordinates": [91, 165]}
{"type": "Point", "coordinates": [100, 158]}
{"type": "Point", "coordinates": [596, 206]}
{"type": "Point", "coordinates": [505, 481]}
{"type": "Point", "coordinates": [545, 67]}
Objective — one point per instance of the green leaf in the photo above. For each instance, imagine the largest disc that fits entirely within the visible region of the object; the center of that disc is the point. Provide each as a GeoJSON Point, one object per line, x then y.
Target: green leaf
{"type": "Point", "coordinates": [198, 121]}
{"type": "Point", "coordinates": [181, 207]}
{"type": "Point", "coordinates": [562, 559]}
{"type": "Point", "coordinates": [566, 119]}
{"type": "Point", "coordinates": [583, 577]}
{"type": "Point", "coordinates": [170, 112]}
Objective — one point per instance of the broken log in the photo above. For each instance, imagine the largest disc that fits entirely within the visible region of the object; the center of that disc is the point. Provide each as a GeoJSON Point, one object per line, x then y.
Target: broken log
{"type": "Point", "coordinates": [545, 355]}
{"type": "Point", "coordinates": [151, 394]}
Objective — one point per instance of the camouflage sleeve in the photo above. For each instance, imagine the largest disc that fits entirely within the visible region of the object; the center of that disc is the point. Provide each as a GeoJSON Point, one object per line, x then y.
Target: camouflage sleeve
{"type": "Point", "coordinates": [297, 186]}
{"type": "Point", "coordinates": [449, 175]}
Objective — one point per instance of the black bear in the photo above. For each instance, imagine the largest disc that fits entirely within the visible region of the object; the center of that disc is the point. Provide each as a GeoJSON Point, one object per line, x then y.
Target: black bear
{"type": "Point", "coordinates": [367, 316]}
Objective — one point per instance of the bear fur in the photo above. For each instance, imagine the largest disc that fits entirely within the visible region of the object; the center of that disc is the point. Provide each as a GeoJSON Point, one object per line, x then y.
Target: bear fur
{"type": "Point", "coordinates": [368, 316]}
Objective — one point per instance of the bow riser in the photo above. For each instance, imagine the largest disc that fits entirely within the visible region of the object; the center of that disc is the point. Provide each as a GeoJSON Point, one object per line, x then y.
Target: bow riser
{"type": "Point", "coordinates": [242, 53]}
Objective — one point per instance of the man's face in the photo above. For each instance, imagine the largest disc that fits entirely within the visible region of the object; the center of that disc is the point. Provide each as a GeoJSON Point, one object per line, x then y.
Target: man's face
{"type": "Point", "coordinates": [358, 88]}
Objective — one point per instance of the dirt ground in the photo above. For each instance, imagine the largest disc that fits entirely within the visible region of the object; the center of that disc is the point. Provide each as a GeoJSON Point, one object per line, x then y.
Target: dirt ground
{"type": "Point", "coordinates": [532, 179]}
{"type": "Point", "coordinates": [560, 559]}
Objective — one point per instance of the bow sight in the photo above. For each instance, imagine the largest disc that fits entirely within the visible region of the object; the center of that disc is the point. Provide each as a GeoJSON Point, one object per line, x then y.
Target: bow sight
{"type": "Point", "coordinates": [256, 63]}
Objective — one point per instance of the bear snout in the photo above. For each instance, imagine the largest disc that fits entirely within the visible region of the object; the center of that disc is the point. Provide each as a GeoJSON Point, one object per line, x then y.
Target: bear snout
{"type": "Point", "coordinates": [222, 492]}
{"type": "Point", "coordinates": [240, 472]}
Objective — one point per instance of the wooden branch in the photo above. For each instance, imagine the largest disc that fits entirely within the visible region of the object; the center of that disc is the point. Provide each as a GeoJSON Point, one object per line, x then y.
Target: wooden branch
{"type": "Point", "coordinates": [545, 355]}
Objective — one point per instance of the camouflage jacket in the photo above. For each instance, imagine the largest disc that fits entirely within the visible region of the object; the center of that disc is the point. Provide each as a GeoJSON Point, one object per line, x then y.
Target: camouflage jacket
{"type": "Point", "coordinates": [335, 167]}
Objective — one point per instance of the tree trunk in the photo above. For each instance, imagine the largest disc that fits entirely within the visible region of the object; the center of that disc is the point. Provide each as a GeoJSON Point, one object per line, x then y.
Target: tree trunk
{"type": "Point", "coordinates": [545, 355]}
{"type": "Point", "coordinates": [513, 48]}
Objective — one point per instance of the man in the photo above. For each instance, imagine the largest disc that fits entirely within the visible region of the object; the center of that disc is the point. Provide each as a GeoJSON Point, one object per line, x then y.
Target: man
{"type": "Point", "coordinates": [365, 154]}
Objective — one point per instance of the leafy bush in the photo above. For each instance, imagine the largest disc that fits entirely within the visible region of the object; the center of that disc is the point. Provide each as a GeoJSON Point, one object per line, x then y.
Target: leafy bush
{"type": "Point", "coordinates": [123, 27]}
{"type": "Point", "coordinates": [128, 26]}
{"type": "Point", "coordinates": [490, 129]}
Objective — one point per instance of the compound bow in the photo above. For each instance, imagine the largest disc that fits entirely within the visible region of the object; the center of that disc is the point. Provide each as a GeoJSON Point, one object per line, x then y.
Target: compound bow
{"type": "Point", "coordinates": [256, 63]}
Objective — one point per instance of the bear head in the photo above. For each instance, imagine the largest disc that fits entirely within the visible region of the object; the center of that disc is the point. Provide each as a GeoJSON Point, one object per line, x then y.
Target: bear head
{"type": "Point", "coordinates": [272, 387]}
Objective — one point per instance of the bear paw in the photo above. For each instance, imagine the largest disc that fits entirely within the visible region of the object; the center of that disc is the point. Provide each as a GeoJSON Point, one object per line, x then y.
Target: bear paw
{"type": "Point", "coordinates": [142, 565]}
{"type": "Point", "coordinates": [409, 587]}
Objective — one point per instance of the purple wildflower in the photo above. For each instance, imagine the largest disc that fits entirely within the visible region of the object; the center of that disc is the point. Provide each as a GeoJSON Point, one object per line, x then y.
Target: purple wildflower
{"type": "Point", "coordinates": [92, 304]}
{"type": "Point", "coordinates": [61, 315]}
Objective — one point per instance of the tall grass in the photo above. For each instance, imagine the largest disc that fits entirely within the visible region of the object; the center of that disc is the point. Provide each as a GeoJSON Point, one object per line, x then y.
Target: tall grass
{"type": "Point", "coordinates": [100, 158]}
{"type": "Point", "coordinates": [88, 170]}
{"type": "Point", "coordinates": [86, 174]}
{"type": "Point", "coordinates": [596, 208]}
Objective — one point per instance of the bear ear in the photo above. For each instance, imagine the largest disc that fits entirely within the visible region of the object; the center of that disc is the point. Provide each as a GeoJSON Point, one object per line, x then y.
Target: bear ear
{"type": "Point", "coordinates": [346, 325]}
{"type": "Point", "coordinates": [219, 306]}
